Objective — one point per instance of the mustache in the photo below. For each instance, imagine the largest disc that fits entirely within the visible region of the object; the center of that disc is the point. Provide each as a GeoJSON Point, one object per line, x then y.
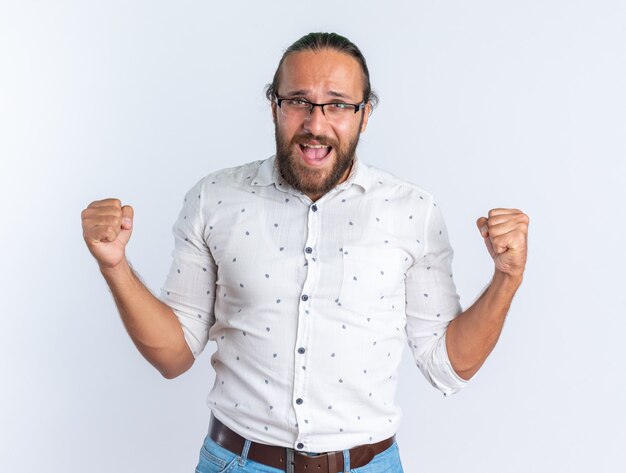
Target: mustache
{"type": "Point", "coordinates": [306, 137]}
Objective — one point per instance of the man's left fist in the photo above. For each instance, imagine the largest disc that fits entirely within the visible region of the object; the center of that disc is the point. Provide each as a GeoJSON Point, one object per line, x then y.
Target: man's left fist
{"type": "Point", "coordinates": [505, 232]}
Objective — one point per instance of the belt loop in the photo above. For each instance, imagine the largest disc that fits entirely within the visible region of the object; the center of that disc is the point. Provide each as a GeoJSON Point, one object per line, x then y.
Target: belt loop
{"type": "Point", "coordinates": [332, 462]}
{"type": "Point", "coordinates": [244, 453]}
{"type": "Point", "coordinates": [346, 461]}
{"type": "Point", "coordinates": [290, 464]}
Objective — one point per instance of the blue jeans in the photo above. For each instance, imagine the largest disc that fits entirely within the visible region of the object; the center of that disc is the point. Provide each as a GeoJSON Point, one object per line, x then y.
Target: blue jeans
{"type": "Point", "coordinates": [216, 459]}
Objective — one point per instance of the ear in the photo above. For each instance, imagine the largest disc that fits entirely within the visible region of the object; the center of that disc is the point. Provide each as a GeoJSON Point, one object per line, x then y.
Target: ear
{"type": "Point", "coordinates": [366, 115]}
{"type": "Point", "coordinates": [274, 112]}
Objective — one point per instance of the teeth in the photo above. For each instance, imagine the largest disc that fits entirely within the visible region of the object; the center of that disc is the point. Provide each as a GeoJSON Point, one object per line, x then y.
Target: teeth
{"type": "Point", "coordinates": [314, 146]}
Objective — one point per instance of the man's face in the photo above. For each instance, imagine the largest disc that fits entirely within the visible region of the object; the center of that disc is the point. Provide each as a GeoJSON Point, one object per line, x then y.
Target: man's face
{"type": "Point", "coordinates": [318, 77]}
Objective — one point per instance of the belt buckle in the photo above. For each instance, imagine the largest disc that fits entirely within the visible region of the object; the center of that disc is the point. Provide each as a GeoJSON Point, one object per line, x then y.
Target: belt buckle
{"type": "Point", "coordinates": [329, 459]}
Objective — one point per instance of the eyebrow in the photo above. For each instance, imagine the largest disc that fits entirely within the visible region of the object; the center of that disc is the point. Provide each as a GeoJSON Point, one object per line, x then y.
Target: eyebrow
{"type": "Point", "coordinates": [338, 94]}
{"type": "Point", "coordinates": [291, 93]}
{"type": "Point", "coordinates": [305, 92]}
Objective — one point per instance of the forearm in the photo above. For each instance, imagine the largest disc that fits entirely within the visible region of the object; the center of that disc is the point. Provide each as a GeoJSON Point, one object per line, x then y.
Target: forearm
{"type": "Point", "coordinates": [472, 335]}
{"type": "Point", "coordinates": [151, 324]}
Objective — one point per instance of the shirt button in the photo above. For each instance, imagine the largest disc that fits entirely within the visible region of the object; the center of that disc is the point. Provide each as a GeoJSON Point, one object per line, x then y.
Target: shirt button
{"type": "Point", "coordinates": [299, 401]}
{"type": "Point", "coordinates": [300, 446]}
{"type": "Point", "coordinates": [304, 297]}
{"type": "Point", "coordinates": [308, 249]}
{"type": "Point", "coordinates": [301, 350]}
{"type": "Point", "coordinates": [314, 208]}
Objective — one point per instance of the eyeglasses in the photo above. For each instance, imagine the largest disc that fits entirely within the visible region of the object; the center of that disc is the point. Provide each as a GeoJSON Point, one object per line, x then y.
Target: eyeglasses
{"type": "Point", "coordinates": [333, 111]}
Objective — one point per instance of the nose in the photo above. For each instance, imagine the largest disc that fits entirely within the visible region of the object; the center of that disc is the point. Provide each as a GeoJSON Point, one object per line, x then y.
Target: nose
{"type": "Point", "coordinates": [315, 122]}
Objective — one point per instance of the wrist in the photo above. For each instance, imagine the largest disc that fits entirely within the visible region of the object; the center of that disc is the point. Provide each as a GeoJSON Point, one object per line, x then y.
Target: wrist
{"type": "Point", "coordinates": [513, 281]}
{"type": "Point", "coordinates": [123, 267]}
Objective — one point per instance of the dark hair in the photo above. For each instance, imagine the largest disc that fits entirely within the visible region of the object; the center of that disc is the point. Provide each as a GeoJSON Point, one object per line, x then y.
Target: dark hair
{"type": "Point", "coordinates": [320, 41]}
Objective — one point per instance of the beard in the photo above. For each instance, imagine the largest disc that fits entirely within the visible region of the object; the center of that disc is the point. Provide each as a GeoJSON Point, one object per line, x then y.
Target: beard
{"type": "Point", "coordinates": [315, 182]}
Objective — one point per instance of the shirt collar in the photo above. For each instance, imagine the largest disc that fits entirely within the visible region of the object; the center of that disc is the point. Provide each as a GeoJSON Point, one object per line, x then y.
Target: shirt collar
{"type": "Point", "coordinates": [268, 174]}
{"type": "Point", "coordinates": [359, 175]}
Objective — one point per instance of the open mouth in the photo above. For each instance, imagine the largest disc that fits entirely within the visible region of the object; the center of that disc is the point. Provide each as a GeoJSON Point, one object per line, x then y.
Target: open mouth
{"type": "Point", "coordinates": [315, 154]}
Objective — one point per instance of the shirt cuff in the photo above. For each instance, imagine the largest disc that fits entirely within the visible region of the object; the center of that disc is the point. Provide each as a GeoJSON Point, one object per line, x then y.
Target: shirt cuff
{"type": "Point", "coordinates": [444, 377]}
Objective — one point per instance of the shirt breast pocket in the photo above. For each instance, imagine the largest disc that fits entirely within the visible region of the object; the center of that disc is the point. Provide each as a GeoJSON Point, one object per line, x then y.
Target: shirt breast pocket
{"type": "Point", "coordinates": [372, 280]}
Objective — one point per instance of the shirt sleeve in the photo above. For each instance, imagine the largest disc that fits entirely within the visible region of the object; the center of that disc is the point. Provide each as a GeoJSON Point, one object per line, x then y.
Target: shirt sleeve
{"type": "Point", "coordinates": [189, 288]}
{"type": "Point", "coordinates": [432, 303]}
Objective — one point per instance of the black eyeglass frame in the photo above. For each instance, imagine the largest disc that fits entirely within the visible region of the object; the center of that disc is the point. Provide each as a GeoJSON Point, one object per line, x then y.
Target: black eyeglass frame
{"type": "Point", "coordinates": [357, 106]}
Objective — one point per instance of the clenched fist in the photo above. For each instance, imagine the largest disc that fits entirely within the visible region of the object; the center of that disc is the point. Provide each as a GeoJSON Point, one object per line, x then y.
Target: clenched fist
{"type": "Point", "coordinates": [107, 227]}
{"type": "Point", "coordinates": [505, 233]}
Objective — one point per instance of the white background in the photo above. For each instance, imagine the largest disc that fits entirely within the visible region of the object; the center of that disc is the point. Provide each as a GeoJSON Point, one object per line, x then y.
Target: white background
{"type": "Point", "coordinates": [484, 103]}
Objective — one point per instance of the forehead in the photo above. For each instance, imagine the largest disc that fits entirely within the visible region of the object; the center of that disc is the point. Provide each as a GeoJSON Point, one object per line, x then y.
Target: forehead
{"type": "Point", "coordinates": [322, 73]}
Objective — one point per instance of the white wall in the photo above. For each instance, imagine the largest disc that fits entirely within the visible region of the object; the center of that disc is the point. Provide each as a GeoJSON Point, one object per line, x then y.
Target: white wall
{"type": "Point", "coordinates": [485, 104]}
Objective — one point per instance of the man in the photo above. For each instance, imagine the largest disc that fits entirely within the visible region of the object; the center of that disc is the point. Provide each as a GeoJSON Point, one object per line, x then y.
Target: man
{"type": "Point", "coordinates": [310, 270]}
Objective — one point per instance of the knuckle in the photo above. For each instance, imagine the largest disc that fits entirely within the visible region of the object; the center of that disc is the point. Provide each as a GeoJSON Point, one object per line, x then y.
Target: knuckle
{"type": "Point", "coordinates": [107, 203]}
{"type": "Point", "coordinates": [114, 220]}
{"type": "Point", "coordinates": [500, 240]}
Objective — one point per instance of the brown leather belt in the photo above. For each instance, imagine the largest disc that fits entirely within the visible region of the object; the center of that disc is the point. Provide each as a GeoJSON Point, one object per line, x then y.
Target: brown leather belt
{"type": "Point", "coordinates": [330, 462]}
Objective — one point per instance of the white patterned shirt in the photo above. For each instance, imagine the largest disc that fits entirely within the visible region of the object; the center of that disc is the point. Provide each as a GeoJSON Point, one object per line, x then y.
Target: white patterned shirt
{"type": "Point", "coordinates": [310, 304]}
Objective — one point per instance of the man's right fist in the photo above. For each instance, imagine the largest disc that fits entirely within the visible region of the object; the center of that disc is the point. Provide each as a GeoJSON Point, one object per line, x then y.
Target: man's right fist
{"type": "Point", "coordinates": [107, 227]}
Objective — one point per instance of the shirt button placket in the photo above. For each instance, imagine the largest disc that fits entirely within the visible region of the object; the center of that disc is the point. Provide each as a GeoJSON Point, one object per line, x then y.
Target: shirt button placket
{"type": "Point", "coordinates": [305, 313]}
